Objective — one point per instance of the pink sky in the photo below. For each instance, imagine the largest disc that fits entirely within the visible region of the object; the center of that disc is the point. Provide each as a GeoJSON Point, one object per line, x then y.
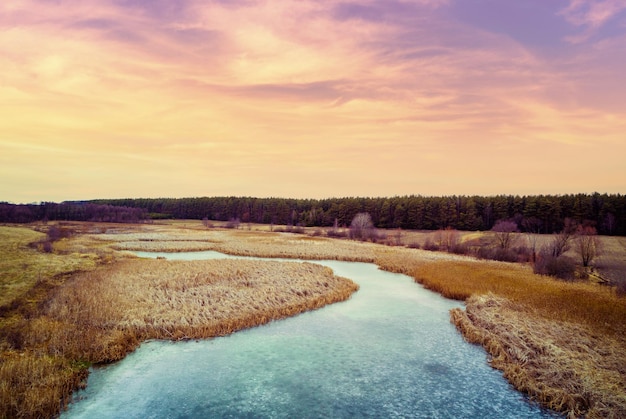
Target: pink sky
{"type": "Point", "coordinates": [310, 99]}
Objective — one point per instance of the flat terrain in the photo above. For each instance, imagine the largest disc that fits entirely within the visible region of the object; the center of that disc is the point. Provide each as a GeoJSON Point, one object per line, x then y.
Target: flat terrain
{"type": "Point", "coordinates": [88, 300]}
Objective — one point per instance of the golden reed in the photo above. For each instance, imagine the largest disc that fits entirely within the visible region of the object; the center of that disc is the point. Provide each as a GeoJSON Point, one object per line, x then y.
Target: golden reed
{"type": "Point", "coordinates": [102, 315]}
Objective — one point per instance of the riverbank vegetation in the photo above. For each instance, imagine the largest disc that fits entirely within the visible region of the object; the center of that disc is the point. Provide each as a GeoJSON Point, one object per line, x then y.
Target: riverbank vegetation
{"type": "Point", "coordinates": [75, 315]}
{"type": "Point", "coordinates": [560, 342]}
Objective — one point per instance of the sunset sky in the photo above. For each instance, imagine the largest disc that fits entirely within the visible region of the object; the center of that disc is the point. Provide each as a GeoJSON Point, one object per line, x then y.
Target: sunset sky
{"type": "Point", "coordinates": [310, 99]}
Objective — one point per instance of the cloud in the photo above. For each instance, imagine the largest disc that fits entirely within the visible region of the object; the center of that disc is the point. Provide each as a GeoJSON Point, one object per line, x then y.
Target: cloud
{"type": "Point", "coordinates": [250, 91]}
{"type": "Point", "coordinates": [590, 15]}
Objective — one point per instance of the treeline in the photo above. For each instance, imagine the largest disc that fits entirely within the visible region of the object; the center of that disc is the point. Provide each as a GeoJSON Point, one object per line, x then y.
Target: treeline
{"type": "Point", "coordinates": [546, 213]}
{"type": "Point", "coordinates": [70, 211]}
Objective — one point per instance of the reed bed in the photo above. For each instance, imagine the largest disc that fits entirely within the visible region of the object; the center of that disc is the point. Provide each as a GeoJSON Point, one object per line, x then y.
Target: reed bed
{"type": "Point", "coordinates": [578, 302]}
{"type": "Point", "coordinates": [562, 343]}
{"type": "Point", "coordinates": [567, 367]}
{"type": "Point", "coordinates": [159, 299]}
{"type": "Point", "coordinates": [101, 315]}
{"type": "Point", "coordinates": [243, 243]}
{"type": "Point", "coordinates": [33, 385]}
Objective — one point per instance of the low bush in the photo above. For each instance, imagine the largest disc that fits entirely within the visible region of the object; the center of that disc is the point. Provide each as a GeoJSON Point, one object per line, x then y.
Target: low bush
{"type": "Point", "coordinates": [233, 223]}
{"type": "Point", "coordinates": [558, 266]}
{"type": "Point", "coordinates": [430, 245]}
{"type": "Point", "coordinates": [378, 236]}
{"type": "Point", "coordinates": [337, 234]}
{"type": "Point", "coordinates": [517, 254]}
{"type": "Point", "coordinates": [459, 249]}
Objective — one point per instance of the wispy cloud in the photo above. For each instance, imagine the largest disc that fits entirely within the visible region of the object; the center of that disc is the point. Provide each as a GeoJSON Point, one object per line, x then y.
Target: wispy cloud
{"type": "Point", "coordinates": [248, 91]}
{"type": "Point", "coordinates": [591, 15]}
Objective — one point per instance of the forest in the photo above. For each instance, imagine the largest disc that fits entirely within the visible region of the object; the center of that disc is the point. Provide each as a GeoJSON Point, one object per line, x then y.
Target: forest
{"type": "Point", "coordinates": [538, 213]}
{"type": "Point", "coordinates": [70, 211]}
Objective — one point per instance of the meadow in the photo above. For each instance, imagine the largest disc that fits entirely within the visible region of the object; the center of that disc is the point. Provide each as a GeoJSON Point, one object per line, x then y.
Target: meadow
{"type": "Point", "coordinates": [89, 301]}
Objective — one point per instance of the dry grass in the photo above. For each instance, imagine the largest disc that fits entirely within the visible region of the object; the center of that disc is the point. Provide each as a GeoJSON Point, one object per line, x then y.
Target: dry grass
{"type": "Point", "coordinates": [157, 299]}
{"type": "Point", "coordinates": [47, 343]}
{"type": "Point", "coordinates": [22, 266]}
{"type": "Point", "coordinates": [578, 302]}
{"type": "Point", "coordinates": [33, 385]}
{"type": "Point", "coordinates": [567, 367]}
{"type": "Point", "coordinates": [562, 343]}
{"type": "Point", "coordinates": [166, 238]}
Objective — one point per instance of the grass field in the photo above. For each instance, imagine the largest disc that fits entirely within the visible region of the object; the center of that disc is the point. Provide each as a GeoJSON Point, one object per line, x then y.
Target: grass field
{"type": "Point", "coordinates": [22, 266]}
{"type": "Point", "coordinates": [562, 343]}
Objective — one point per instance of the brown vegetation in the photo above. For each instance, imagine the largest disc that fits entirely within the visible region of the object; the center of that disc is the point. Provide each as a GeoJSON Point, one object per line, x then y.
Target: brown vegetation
{"type": "Point", "coordinates": [567, 367]}
{"type": "Point", "coordinates": [158, 299]}
{"type": "Point", "coordinates": [560, 342]}
{"type": "Point", "coordinates": [58, 325]}
{"type": "Point", "coordinates": [241, 243]}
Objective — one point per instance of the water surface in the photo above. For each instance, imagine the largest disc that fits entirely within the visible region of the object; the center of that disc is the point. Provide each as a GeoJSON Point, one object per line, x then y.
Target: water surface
{"type": "Point", "coordinates": [389, 351]}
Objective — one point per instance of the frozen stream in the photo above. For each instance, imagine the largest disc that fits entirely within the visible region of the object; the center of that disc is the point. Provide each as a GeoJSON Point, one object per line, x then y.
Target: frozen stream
{"type": "Point", "coordinates": [389, 351]}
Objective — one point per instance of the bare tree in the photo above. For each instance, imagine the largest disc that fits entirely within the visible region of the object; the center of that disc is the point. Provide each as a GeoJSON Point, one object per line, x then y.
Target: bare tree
{"type": "Point", "coordinates": [562, 241]}
{"type": "Point", "coordinates": [505, 233]}
{"type": "Point", "coordinates": [398, 237]}
{"type": "Point", "coordinates": [448, 238]}
{"type": "Point", "coordinates": [587, 244]}
{"type": "Point", "coordinates": [361, 227]}
{"type": "Point", "coordinates": [532, 226]}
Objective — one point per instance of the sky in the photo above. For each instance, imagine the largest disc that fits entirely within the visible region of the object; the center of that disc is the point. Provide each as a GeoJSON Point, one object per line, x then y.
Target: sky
{"type": "Point", "coordinates": [311, 99]}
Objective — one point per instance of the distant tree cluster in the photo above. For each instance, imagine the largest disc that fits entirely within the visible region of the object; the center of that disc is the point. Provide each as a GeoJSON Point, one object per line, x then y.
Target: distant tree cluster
{"type": "Point", "coordinates": [532, 214]}
{"type": "Point", "coordinates": [70, 211]}
{"type": "Point", "coordinates": [536, 214]}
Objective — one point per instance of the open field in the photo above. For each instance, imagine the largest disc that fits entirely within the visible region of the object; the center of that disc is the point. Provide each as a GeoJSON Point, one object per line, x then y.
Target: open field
{"type": "Point", "coordinates": [21, 266]}
{"type": "Point", "coordinates": [563, 343]}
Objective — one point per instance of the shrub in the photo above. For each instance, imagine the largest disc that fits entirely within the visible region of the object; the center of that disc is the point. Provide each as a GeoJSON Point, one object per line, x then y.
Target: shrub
{"type": "Point", "coordinates": [233, 223]}
{"type": "Point", "coordinates": [517, 254]}
{"type": "Point", "coordinates": [485, 252]}
{"type": "Point", "coordinates": [524, 254]}
{"type": "Point", "coordinates": [336, 233]}
{"type": "Point", "coordinates": [459, 249]}
{"type": "Point", "coordinates": [504, 255]}
{"type": "Point", "coordinates": [559, 266]}
{"type": "Point", "coordinates": [57, 233]}
{"type": "Point", "coordinates": [46, 246]}
{"type": "Point", "coordinates": [361, 227]}
{"type": "Point", "coordinates": [297, 230]}
{"type": "Point", "coordinates": [430, 245]}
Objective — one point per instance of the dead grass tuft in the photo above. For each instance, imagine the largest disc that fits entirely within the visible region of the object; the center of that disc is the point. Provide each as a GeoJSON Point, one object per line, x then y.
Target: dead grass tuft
{"type": "Point", "coordinates": [567, 367]}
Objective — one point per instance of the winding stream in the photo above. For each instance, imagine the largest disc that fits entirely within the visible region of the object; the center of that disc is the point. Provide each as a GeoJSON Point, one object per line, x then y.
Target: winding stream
{"type": "Point", "coordinates": [389, 351]}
